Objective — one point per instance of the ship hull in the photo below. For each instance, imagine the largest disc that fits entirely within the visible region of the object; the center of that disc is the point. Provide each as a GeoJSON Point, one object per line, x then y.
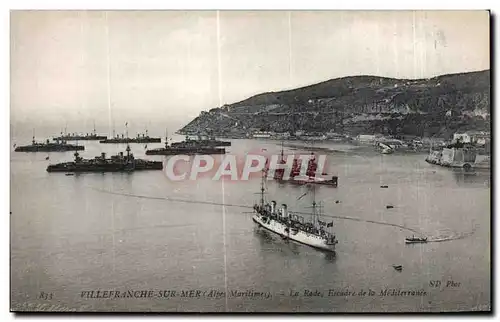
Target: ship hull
{"type": "Point", "coordinates": [117, 141]}
{"type": "Point", "coordinates": [461, 165]}
{"type": "Point", "coordinates": [81, 138]}
{"type": "Point", "coordinates": [73, 167]}
{"type": "Point", "coordinates": [331, 183]}
{"type": "Point", "coordinates": [174, 151]}
{"type": "Point", "coordinates": [200, 144]}
{"type": "Point", "coordinates": [50, 148]}
{"type": "Point", "coordinates": [300, 237]}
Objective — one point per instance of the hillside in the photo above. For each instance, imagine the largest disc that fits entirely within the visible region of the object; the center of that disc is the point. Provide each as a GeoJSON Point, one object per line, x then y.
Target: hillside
{"type": "Point", "coordinates": [435, 106]}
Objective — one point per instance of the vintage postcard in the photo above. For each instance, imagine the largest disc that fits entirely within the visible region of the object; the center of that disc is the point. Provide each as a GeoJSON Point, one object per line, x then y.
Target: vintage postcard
{"type": "Point", "coordinates": [250, 161]}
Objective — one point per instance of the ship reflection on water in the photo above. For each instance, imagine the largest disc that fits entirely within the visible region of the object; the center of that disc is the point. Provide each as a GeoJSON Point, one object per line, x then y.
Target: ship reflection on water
{"type": "Point", "coordinates": [472, 177]}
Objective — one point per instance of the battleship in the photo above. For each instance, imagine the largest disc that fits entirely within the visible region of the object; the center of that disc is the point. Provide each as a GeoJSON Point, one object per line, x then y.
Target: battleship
{"type": "Point", "coordinates": [185, 150]}
{"type": "Point", "coordinates": [140, 138]}
{"type": "Point", "coordinates": [117, 163]}
{"type": "Point", "coordinates": [80, 137]}
{"type": "Point", "coordinates": [310, 176]}
{"type": "Point", "coordinates": [200, 142]}
{"type": "Point", "coordinates": [58, 146]}
{"type": "Point", "coordinates": [289, 226]}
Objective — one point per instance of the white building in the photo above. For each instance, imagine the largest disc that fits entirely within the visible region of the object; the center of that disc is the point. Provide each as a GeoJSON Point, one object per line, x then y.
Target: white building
{"type": "Point", "coordinates": [476, 137]}
{"type": "Point", "coordinates": [366, 138]}
{"type": "Point", "coordinates": [262, 134]}
{"type": "Point", "coordinates": [282, 135]}
{"type": "Point", "coordinates": [463, 137]}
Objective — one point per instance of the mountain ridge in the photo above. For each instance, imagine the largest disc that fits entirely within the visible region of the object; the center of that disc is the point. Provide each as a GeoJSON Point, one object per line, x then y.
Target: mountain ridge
{"type": "Point", "coordinates": [360, 104]}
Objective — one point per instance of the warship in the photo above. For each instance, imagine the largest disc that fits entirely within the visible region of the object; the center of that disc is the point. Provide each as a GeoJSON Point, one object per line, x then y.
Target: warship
{"type": "Point", "coordinates": [185, 150]}
{"type": "Point", "coordinates": [289, 226]}
{"type": "Point", "coordinates": [77, 137]}
{"type": "Point", "coordinates": [200, 142]}
{"type": "Point", "coordinates": [117, 163]}
{"type": "Point", "coordinates": [58, 146]}
{"type": "Point", "coordinates": [140, 138]}
{"type": "Point", "coordinates": [310, 176]}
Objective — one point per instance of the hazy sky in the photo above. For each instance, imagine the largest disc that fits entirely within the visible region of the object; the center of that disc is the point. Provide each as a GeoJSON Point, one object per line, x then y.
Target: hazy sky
{"type": "Point", "coordinates": [167, 66]}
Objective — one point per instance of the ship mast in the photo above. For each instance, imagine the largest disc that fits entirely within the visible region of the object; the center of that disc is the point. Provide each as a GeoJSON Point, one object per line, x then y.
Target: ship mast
{"type": "Point", "coordinates": [128, 143]}
{"type": "Point", "coordinates": [128, 151]}
{"type": "Point", "coordinates": [262, 189]}
{"type": "Point", "coordinates": [314, 204]}
{"type": "Point", "coordinates": [282, 156]}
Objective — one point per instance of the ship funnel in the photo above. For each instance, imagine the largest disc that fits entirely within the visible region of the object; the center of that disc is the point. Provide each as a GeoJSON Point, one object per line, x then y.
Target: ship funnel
{"type": "Point", "coordinates": [284, 211]}
{"type": "Point", "coordinates": [273, 206]}
{"type": "Point", "coordinates": [103, 155]}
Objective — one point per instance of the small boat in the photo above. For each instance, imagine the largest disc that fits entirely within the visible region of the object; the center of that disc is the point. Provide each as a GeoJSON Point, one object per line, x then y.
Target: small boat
{"type": "Point", "coordinates": [70, 174]}
{"type": "Point", "coordinates": [385, 149]}
{"type": "Point", "coordinates": [414, 240]}
{"type": "Point", "coordinates": [399, 268]}
{"type": "Point", "coordinates": [384, 186]}
{"type": "Point", "coordinates": [389, 206]}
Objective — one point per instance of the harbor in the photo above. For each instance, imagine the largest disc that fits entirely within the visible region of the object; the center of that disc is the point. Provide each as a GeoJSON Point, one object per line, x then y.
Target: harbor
{"type": "Point", "coordinates": [140, 232]}
{"type": "Point", "coordinates": [246, 161]}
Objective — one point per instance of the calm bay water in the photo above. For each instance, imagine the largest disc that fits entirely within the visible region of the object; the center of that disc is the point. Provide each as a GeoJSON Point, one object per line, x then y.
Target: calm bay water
{"type": "Point", "coordinates": [120, 232]}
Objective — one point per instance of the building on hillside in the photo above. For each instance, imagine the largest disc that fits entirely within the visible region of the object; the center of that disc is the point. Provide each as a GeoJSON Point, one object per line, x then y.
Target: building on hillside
{"type": "Point", "coordinates": [368, 138]}
{"type": "Point", "coordinates": [474, 137]}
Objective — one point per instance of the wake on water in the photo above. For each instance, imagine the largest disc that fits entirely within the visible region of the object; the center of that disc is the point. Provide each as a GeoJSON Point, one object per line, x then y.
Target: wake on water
{"type": "Point", "coordinates": [448, 234]}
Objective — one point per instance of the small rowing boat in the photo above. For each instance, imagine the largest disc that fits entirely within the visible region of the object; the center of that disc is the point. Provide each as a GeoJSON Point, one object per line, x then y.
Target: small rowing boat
{"type": "Point", "coordinates": [414, 240]}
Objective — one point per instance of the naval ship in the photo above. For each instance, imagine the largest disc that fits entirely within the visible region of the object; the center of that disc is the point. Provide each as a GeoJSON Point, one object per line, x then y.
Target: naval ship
{"type": "Point", "coordinates": [77, 137]}
{"type": "Point", "coordinates": [58, 146]}
{"type": "Point", "coordinates": [310, 176]}
{"type": "Point", "coordinates": [200, 142]}
{"type": "Point", "coordinates": [289, 226]}
{"type": "Point", "coordinates": [185, 150]}
{"type": "Point", "coordinates": [140, 138]}
{"type": "Point", "coordinates": [117, 163]}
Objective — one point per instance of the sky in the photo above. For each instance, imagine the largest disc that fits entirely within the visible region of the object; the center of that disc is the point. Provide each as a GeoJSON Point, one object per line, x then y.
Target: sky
{"type": "Point", "coordinates": [164, 67]}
